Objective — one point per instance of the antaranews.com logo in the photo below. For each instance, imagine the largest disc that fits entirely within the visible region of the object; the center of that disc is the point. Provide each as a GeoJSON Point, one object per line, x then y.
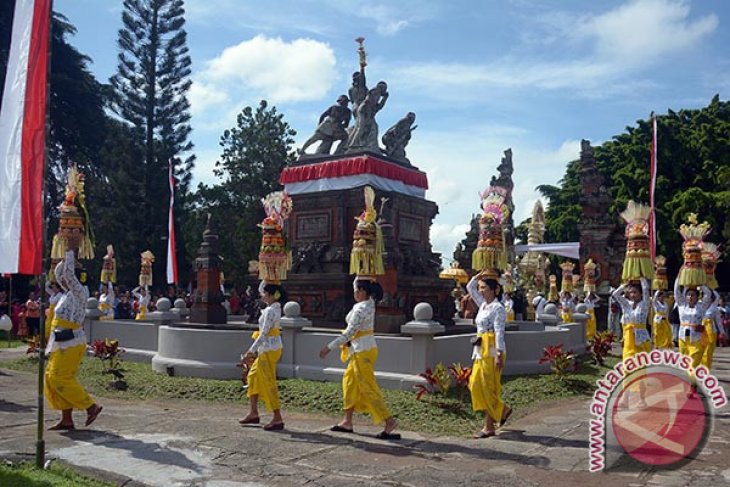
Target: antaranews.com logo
{"type": "Point", "coordinates": [654, 408]}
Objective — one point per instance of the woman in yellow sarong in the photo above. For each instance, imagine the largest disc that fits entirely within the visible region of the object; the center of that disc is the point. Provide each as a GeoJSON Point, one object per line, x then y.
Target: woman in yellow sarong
{"type": "Point", "coordinates": [143, 302]}
{"type": "Point", "coordinates": [489, 354]}
{"type": "Point", "coordinates": [266, 349]}
{"type": "Point", "coordinates": [713, 329]}
{"type": "Point", "coordinates": [66, 347]}
{"type": "Point", "coordinates": [590, 301]}
{"type": "Point", "coordinates": [567, 307]}
{"type": "Point", "coordinates": [692, 336]}
{"type": "Point", "coordinates": [106, 301]}
{"type": "Point", "coordinates": [358, 348]}
{"type": "Point", "coordinates": [661, 328]}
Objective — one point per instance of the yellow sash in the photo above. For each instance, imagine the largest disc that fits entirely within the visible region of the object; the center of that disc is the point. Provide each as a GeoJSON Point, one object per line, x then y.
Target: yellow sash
{"type": "Point", "coordinates": [345, 350]}
{"type": "Point", "coordinates": [61, 323]}
{"type": "Point", "coordinates": [104, 306]}
{"type": "Point", "coordinates": [489, 341]}
{"type": "Point", "coordinates": [274, 332]}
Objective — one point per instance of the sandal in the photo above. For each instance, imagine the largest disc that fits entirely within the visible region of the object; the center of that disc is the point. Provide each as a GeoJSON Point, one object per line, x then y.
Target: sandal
{"type": "Point", "coordinates": [91, 417]}
{"type": "Point", "coordinates": [483, 434]}
{"type": "Point", "coordinates": [274, 427]}
{"type": "Point", "coordinates": [341, 429]}
{"type": "Point", "coordinates": [505, 417]}
{"type": "Point", "coordinates": [248, 420]}
{"type": "Point", "coordinates": [62, 427]}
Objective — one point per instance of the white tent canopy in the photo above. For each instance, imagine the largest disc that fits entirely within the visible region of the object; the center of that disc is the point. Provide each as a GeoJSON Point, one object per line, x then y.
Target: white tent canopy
{"type": "Point", "coordinates": [563, 249]}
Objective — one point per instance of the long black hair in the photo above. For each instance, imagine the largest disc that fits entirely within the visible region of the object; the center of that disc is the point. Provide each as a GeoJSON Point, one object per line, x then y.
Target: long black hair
{"type": "Point", "coordinates": [371, 288]}
{"type": "Point", "coordinates": [273, 289]}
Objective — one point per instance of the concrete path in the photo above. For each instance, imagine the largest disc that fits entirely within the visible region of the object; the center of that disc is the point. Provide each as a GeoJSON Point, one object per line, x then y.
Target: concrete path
{"type": "Point", "coordinates": [180, 443]}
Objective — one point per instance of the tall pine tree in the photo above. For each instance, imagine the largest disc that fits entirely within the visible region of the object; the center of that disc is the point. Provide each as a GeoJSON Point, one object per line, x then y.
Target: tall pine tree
{"type": "Point", "coordinates": [150, 93]}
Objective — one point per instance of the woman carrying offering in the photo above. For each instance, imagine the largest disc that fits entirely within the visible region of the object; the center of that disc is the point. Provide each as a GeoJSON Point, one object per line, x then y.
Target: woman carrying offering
{"type": "Point", "coordinates": [489, 353]}
{"type": "Point", "coordinates": [265, 352]}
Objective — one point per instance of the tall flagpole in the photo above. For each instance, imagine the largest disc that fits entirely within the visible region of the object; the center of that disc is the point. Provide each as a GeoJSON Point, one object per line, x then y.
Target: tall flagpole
{"type": "Point", "coordinates": [652, 187]}
{"type": "Point", "coordinates": [40, 446]}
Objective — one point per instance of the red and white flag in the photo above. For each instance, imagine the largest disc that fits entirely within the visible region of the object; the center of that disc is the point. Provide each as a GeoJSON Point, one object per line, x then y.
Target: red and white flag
{"type": "Point", "coordinates": [22, 139]}
{"type": "Point", "coordinates": [652, 187]}
{"type": "Point", "coordinates": [171, 260]}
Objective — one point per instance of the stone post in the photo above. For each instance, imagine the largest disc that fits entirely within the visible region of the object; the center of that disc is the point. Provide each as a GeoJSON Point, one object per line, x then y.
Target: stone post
{"type": "Point", "coordinates": [181, 309]}
{"type": "Point", "coordinates": [91, 315]}
{"type": "Point", "coordinates": [422, 330]}
{"type": "Point", "coordinates": [291, 324]}
{"type": "Point", "coordinates": [163, 315]}
{"type": "Point", "coordinates": [549, 316]}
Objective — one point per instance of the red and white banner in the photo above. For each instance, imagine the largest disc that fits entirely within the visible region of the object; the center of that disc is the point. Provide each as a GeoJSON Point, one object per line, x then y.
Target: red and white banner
{"type": "Point", "coordinates": [171, 258]}
{"type": "Point", "coordinates": [22, 139]}
{"type": "Point", "coordinates": [652, 187]}
{"type": "Point", "coordinates": [352, 172]}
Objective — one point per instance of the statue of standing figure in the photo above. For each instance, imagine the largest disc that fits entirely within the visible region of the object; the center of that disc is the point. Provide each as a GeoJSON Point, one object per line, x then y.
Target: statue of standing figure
{"type": "Point", "coordinates": [365, 134]}
{"type": "Point", "coordinates": [396, 138]}
{"type": "Point", "coordinates": [332, 128]}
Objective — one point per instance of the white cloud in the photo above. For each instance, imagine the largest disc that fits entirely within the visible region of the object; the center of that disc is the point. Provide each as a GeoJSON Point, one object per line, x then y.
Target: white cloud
{"type": "Point", "coordinates": [593, 56]}
{"type": "Point", "coordinates": [646, 30]}
{"type": "Point", "coordinates": [444, 237]}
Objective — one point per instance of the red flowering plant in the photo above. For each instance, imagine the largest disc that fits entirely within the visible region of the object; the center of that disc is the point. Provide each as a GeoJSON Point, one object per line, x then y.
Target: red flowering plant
{"type": "Point", "coordinates": [600, 346]}
{"type": "Point", "coordinates": [461, 377]}
{"type": "Point", "coordinates": [438, 381]}
{"type": "Point", "coordinates": [108, 351]}
{"type": "Point", "coordinates": [34, 347]}
{"type": "Point", "coordinates": [561, 362]}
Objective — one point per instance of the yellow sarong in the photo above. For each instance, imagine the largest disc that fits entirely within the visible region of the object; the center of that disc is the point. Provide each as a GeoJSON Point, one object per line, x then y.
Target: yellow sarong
{"type": "Point", "coordinates": [630, 346]}
{"type": "Point", "coordinates": [142, 314]}
{"type": "Point", "coordinates": [485, 382]}
{"type": "Point", "coordinates": [61, 387]}
{"type": "Point", "coordinates": [711, 343]}
{"type": "Point", "coordinates": [262, 374]}
{"type": "Point", "coordinates": [662, 332]}
{"type": "Point", "coordinates": [345, 350]}
{"type": "Point", "coordinates": [510, 316]}
{"type": "Point", "coordinates": [360, 391]}
{"type": "Point", "coordinates": [566, 316]}
{"type": "Point", "coordinates": [591, 324]}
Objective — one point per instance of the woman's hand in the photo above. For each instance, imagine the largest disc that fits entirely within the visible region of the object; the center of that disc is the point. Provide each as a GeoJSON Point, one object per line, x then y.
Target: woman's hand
{"type": "Point", "coordinates": [323, 353]}
{"type": "Point", "coordinates": [498, 361]}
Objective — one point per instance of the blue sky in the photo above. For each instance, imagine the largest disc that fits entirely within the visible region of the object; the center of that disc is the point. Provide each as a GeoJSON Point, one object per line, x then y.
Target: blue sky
{"type": "Point", "coordinates": [481, 76]}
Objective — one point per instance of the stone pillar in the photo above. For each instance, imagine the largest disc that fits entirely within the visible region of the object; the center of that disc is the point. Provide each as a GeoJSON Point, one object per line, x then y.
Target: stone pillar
{"type": "Point", "coordinates": [91, 315]}
{"type": "Point", "coordinates": [423, 328]}
{"type": "Point", "coordinates": [207, 307]}
{"type": "Point", "coordinates": [291, 324]}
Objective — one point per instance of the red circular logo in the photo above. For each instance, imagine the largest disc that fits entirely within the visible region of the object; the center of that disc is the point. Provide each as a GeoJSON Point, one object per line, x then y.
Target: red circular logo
{"type": "Point", "coordinates": [658, 419]}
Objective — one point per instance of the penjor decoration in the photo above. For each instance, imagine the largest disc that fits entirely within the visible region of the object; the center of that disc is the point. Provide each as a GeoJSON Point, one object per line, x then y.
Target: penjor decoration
{"type": "Point", "coordinates": [661, 281]}
{"type": "Point", "coordinates": [692, 274]}
{"type": "Point", "coordinates": [74, 228]}
{"type": "Point", "coordinates": [566, 284]}
{"type": "Point", "coordinates": [109, 266]}
{"type": "Point", "coordinates": [589, 277]}
{"type": "Point", "coordinates": [491, 253]}
{"type": "Point", "coordinates": [145, 271]}
{"type": "Point", "coordinates": [710, 258]}
{"type": "Point", "coordinates": [274, 254]}
{"type": "Point", "coordinates": [366, 258]}
{"type": "Point", "coordinates": [637, 263]}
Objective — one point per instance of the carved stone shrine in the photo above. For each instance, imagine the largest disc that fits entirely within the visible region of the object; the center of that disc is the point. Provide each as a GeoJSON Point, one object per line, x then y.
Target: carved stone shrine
{"type": "Point", "coordinates": [327, 196]}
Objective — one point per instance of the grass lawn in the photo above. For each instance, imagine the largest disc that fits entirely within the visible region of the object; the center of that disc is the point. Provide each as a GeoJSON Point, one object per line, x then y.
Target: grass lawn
{"type": "Point", "coordinates": [14, 342]}
{"type": "Point", "coordinates": [27, 475]}
{"type": "Point", "coordinates": [434, 414]}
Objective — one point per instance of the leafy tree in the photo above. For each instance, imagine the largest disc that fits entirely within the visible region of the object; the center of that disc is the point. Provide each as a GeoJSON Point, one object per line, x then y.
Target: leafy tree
{"type": "Point", "coordinates": [150, 93]}
{"type": "Point", "coordinates": [254, 152]}
{"type": "Point", "coordinates": [693, 175]}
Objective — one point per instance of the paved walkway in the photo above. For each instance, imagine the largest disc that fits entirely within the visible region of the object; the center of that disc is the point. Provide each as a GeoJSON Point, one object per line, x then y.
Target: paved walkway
{"type": "Point", "coordinates": [179, 443]}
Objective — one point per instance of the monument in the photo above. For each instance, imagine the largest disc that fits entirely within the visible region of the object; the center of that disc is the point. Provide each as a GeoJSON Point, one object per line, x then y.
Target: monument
{"type": "Point", "coordinates": [207, 308]}
{"type": "Point", "coordinates": [601, 237]}
{"type": "Point", "coordinates": [326, 190]}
